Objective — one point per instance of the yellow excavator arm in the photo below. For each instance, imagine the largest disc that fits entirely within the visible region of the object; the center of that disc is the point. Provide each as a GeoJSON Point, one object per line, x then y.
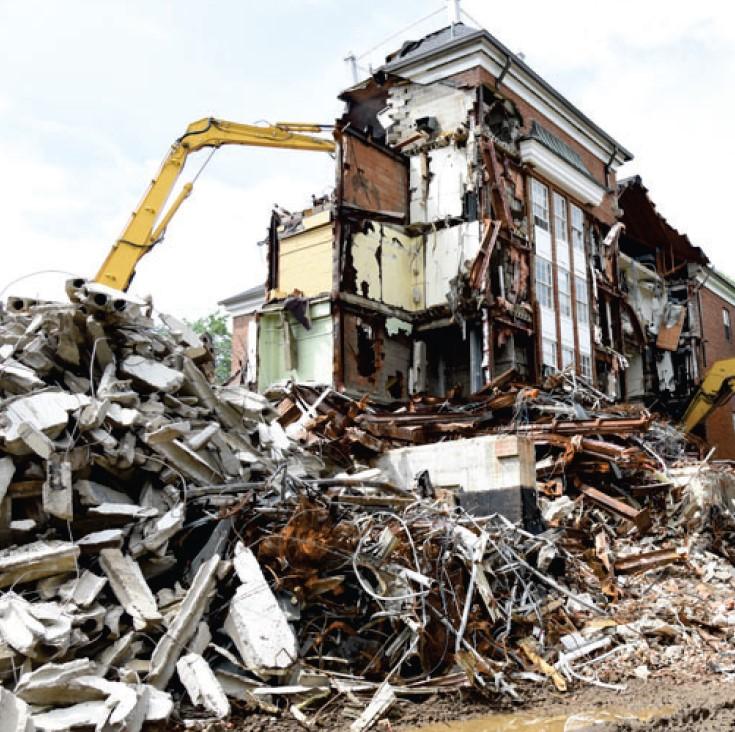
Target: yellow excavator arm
{"type": "Point", "coordinates": [717, 386]}
{"type": "Point", "coordinates": [147, 225]}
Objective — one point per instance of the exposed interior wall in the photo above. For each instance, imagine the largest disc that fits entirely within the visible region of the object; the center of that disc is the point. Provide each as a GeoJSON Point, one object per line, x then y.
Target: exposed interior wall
{"type": "Point", "coordinates": [287, 349]}
{"type": "Point", "coordinates": [377, 355]}
{"type": "Point", "coordinates": [305, 258]}
{"type": "Point", "coordinates": [389, 265]}
{"type": "Point", "coordinates": [372, 179]}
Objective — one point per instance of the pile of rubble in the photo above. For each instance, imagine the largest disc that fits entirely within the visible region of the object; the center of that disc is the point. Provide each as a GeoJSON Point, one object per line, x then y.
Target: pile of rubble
{"type": "Point", "coordinates": [172, 550]}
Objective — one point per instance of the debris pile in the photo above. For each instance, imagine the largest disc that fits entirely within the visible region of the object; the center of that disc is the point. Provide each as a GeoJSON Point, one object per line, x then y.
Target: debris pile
{"type": "Point", "coordinates": [174, 550]}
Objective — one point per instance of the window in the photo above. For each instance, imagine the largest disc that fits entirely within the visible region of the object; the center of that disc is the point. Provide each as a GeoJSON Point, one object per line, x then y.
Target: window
{"type": "Point", "coordinates": [585, 365]}
{"type": "Point", "coordinates": [565, 292]}
{"type": "Point", "coordinates": [544, 292]}
{"type": "Point", "coordinates": [726, 322]}
{"type": "Point", "coordinates": [577, 230]}
{"type": "Point", "coordinates": [582, 300]}
{"type": "Point", "coordinates": [548, 347]}
{"type": "Point", "coordinates": [560, 218]}
{"type": "Point", "coordinates": [567, 356]}
{"type": "Point", "coordinates": [540, 200]}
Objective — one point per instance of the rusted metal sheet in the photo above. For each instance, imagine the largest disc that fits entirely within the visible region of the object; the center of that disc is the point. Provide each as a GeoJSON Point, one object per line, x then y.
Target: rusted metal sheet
{"type": "Point", "coordinates": [643, 561]}
{"type": "Point", "coordinates": [640, 517]}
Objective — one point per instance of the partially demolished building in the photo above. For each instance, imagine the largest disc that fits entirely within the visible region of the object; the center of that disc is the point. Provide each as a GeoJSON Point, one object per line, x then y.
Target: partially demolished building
{"type": "Point", "coordinates": [477, 226]}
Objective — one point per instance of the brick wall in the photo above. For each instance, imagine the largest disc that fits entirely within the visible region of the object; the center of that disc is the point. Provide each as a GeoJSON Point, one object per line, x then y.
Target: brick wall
{"type": "Point", "coordinates": [605, 211]}
{"type": "Point", "coordinates": [719, 425]}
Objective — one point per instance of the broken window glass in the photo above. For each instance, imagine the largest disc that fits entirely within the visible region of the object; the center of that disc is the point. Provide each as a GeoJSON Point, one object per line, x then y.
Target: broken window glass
{"type": "Point", "coordinates": [544, 291]}
{"type": "Point", "coordinates": [540, 199]}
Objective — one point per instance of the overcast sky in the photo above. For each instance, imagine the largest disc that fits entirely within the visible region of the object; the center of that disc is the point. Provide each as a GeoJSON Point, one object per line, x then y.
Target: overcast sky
{"type": "Point", "coordinates": [92, 93]}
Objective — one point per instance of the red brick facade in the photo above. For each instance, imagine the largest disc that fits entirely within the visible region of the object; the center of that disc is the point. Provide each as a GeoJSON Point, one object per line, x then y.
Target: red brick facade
{"type": "Point", "coordinates": [719, 427]}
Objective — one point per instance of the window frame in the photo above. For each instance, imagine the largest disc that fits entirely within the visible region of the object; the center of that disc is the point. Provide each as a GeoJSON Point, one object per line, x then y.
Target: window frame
{"type": "Point", "coordinates": [561, 222]}
{"type": "Point", "coordinates": [577, 233]}
{"type": "Point", "coordinates": [565, 295]}
{"type": "Point", "coordinates": [545, 286]}
{"type": "Point", "coordinates": [551, 343]}
{"type": "Point", "coordinates": [581, 301]}
{"type": "Point", "coordinates": [585, 365]}
{"type": "Point", "coordinates": [542, 205]}
{"type": "Point", "coordinates": [727, 324]}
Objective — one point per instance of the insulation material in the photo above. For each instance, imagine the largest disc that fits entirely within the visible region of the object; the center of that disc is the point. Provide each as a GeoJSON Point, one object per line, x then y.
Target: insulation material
{"type": "Point", "coordinates": [389, 266]}
{"type": "Point", "coordinates": [646, 292]}
{"type": "Point", "coordinates": [665, 369]}
{"type": "Point", "coordinates": [635, 383]}
{"type": "Point", "coordinates": [310, 350]}
{"type": "Point", "coordinates": [447, 252]}
{"type": "Point", "coordinates": [305, 258]}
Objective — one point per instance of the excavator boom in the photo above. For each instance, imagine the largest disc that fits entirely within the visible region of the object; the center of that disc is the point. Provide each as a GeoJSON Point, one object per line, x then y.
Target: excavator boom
{"type": "Point", "coordinates": [147, 225]}
{"type": "Point", "coordinates": [717, 386]}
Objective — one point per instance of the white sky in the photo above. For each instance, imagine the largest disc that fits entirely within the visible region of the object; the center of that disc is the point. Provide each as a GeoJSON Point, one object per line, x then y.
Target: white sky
{"type": "Point", "coordinates": [92, 93]}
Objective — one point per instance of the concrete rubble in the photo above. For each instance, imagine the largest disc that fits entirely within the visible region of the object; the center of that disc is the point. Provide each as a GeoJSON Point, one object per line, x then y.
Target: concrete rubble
{"type": "Point", "coordinates": [170, 549]}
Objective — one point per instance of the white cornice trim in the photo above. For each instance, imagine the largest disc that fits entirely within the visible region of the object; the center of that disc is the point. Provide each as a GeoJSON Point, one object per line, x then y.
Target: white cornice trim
{"type": "Point", "coordinates": [559, 171]}
{"type": "Point", "coordinates": [716, 283]}
{"type": "Point", "coordinates": [246, 306]}
{"type": "Point", "coordinates": [481, 53]}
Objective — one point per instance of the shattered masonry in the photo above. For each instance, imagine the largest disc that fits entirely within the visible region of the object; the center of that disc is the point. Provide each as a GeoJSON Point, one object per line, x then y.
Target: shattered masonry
{"type": "Point", "coordinates": [477, 225]}
{"type": "Point", "coordinates": [171, 550]}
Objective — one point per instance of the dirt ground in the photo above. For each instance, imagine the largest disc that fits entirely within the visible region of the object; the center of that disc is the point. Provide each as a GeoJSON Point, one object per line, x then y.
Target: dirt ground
{"type": "Point", "coordinates": [661, 704]}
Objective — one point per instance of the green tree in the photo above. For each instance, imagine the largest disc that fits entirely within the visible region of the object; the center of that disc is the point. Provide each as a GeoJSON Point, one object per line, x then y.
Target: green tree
{"type": "Point", "coordinates": [216, 326]}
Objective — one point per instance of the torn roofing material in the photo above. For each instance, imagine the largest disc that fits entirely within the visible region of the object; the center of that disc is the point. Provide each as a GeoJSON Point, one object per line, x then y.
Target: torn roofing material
{"type": "Point", "coordinates": [644, 223]}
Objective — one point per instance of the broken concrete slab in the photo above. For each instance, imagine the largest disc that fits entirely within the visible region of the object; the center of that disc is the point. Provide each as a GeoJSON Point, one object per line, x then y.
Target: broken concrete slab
{"type": "Point", "coordinates": [202, 686]}
{"type": "Point", "coordinates": [15, 716]}
{"type": "Point", "coordinates": [57, 489]}
{"type": "Point", "coordinates": [184, 625]}
{"type": "Point", "coordinates": [130, 587]}
{"type": "Point", "coordinates": [256, 623]}
{"type": "Point", "coordinates": [153, 374]}
{"type": "Point", "coordinates": [54, 683]}
{"type": "Point", "coordinates": [34, 561]}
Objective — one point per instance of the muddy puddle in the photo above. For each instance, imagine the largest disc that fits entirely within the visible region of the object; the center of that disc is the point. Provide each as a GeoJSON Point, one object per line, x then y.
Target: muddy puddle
{"type": "Point", "coordinates": [533, 722]}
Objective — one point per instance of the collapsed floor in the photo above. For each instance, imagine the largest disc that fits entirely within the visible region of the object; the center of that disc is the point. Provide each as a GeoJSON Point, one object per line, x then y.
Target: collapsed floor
{"type": "Point", "coordinates": [172, 550]}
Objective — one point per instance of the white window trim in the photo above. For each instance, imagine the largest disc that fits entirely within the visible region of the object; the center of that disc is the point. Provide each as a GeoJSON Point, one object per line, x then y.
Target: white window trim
{"type": "Point", "coordinates": [559, 171]}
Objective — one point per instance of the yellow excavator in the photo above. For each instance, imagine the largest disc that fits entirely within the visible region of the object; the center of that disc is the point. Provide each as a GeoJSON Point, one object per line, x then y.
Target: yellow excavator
{"type": "Point", "coordinates": [717, 386]}
{"type": "Point", "coordinates": [147, 225]}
